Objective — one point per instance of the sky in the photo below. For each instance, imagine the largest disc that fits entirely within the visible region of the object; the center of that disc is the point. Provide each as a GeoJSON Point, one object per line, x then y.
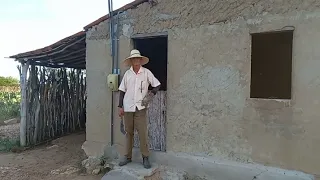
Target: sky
{"type": "Point", "coordinates": [31, 24]}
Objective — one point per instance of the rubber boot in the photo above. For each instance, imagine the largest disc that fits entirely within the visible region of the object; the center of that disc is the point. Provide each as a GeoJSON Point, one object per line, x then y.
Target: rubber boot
{"type": "Point", "coordinates": [146, 163]}
{"type": "Point", "coordinates": [125, 161]}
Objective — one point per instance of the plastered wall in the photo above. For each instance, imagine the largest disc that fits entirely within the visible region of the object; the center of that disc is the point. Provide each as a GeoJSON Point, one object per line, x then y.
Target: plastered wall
{"type": "Point", "coordinates": [209, 110]}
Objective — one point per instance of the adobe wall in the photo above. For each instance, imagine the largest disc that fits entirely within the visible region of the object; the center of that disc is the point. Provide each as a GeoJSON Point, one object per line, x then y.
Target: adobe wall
{"type": "Point", "coordinates": [210, 112]}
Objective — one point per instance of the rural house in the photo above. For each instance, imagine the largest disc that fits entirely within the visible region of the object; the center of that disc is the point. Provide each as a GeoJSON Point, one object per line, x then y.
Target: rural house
{"type": "Point", "coordinates": [240, 79]}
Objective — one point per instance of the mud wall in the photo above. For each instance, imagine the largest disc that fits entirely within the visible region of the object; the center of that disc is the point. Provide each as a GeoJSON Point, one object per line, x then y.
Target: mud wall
{"type": "Point", "coordinates": [210, 112]}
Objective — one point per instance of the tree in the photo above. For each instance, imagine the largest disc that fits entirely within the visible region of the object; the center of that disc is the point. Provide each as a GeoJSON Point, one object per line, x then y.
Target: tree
{"type": "Point", "coordinates": [8, 81]}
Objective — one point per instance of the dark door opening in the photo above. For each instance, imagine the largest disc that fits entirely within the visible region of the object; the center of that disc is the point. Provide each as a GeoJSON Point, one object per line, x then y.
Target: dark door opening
{"type": "Point", "coordinates": [156, 49]}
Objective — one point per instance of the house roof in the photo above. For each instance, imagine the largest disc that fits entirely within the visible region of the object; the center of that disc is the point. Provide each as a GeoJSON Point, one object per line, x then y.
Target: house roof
{"type": "Point", "coordinates": [68, 52]}
{"type": "Point", "coordinates": [123, 8]}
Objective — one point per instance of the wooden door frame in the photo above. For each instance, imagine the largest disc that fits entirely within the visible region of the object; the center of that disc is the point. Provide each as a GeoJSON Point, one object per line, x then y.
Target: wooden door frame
{"type": "Point", "coordinates": [149, 35]}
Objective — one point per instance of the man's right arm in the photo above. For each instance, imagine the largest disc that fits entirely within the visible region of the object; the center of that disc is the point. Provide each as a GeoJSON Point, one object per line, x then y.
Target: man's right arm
{"type": "Point", "coordinates": [122, 89]}
{"type": "Point", "coordinates": [121, 99]}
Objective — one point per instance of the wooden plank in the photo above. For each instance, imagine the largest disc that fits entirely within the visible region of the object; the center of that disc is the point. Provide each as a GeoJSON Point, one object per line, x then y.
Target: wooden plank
{"type": "Point", "coordinates": [149, 35]}
{"type": "Point", "coordinates": [163, 121]}
{"type": "Point", "coordinates": [155, 124]}
{"type": "Point", "coordinates": [156, 116]}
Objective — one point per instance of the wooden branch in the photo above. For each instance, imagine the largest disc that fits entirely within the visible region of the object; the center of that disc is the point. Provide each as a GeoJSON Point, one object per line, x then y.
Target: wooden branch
{"type": "Point", "coordinates": [55, 103]}
{"type": "Point", "coordinates": [37, 115]}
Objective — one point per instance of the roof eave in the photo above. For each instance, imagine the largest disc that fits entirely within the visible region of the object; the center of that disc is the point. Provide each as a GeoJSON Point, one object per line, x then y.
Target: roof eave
{"type": "Point", "coordinates": [47, 48]}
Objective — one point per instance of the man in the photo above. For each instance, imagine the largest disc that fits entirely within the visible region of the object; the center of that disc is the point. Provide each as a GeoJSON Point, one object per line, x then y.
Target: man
{"type": "Point", "coordinates": [133, 102]}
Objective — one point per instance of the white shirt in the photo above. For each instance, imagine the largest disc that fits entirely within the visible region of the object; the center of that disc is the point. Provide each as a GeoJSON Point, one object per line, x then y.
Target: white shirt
{"type": "Point", "coordinates": [135, 87]}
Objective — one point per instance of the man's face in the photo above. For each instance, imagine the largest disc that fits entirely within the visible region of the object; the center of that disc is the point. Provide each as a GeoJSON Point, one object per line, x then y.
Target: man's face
{"type": "Point", "coordinates": [136, 61]}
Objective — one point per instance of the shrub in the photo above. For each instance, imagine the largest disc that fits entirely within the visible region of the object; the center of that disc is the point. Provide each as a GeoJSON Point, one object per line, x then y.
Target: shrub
{"type": "Point", "coordinates": [9, 105]}
{"type": "Point", "coordinates": [8, 144]}
{"type": "Point", "coordinates": [8, 81]}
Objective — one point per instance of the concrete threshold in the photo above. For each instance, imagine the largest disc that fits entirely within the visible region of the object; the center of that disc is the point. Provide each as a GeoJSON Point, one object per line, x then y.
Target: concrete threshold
{"type": "Point", "coordinates": [212, 169]}
{"type": "Point", "coordinates": [135, 171]}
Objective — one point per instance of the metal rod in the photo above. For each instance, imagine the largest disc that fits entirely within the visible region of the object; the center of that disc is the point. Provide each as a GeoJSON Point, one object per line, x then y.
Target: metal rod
{"type": "Point", "coordinates": [112, 55]}
{"type": "Point", "coordinates": [117, 40]}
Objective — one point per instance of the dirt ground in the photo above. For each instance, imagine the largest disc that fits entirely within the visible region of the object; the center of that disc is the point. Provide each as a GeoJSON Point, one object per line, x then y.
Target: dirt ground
{"type": "Point", "coordinates": [61, 159]}
{"type": "Point", "coordinates": [9, 131]}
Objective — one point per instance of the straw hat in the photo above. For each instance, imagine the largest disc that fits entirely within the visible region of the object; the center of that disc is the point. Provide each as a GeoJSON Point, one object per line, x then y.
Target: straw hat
{"type": "Point", "coordinates": [135, 54]}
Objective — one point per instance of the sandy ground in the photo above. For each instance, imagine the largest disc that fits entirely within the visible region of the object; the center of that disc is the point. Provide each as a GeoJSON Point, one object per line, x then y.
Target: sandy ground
{"type": "Point", "coordinates": [61, 159]}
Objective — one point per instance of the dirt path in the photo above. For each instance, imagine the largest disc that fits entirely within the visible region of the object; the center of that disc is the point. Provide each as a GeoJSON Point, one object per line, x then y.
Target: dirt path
{"type": "Point", "coordinates": [59, 160]}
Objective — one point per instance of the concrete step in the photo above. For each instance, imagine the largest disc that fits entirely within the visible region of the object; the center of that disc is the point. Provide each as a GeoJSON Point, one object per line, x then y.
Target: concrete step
{"type": "Point", "coordinates": [215, 169]}
{"type": "Point", "coordinates": [135, 171]}
{"type": "Point", "coordinates": [178, 166]}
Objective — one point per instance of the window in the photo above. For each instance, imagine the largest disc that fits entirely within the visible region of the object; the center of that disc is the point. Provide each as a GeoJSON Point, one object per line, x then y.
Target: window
{"type": "Point", "coordinates": [271, 65]}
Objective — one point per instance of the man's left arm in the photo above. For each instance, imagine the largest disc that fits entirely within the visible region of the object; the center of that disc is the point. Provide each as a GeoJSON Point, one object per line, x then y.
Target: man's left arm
{"type": "Point", "coordinates": [154, 82]}
{"type": "Point", "coordinates": [155, 89]}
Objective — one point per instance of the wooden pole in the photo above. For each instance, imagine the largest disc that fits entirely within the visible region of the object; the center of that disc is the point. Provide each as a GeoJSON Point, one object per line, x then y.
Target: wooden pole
{"type": "Point", "coordinates": [23, 105]}
{"type": "Point", "coordinates": [37, 109]}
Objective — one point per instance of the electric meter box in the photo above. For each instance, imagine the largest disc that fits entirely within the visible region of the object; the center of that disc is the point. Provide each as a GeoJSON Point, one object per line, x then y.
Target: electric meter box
{"type": "Point", "coordinates": [113, 81]}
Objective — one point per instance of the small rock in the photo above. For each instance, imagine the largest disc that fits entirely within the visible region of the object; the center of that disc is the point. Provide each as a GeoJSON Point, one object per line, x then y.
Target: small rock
{"type": "Point", "coordinates": [54, 146]}
{"type": "Point", "coordinates": [106, 165]}
{"type": "Point", "coordinates": [154, 176]}
{"type": "Point", "coordinates": [71, 170]}
{"type": "Point", "coordinates": [119, 175]}
{"type": "Point", "coordinates": [96, 171]}
{"type": "Point", "coordinates": [67, 170]}
{"type": "Point", "coordinates": [11, 121]}
{"type": "Point", "coordinates": [92, 163]}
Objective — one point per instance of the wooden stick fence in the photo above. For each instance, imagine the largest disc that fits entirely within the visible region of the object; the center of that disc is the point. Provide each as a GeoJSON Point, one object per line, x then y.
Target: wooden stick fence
{"type": "Point", "coordinates": [55, 103]}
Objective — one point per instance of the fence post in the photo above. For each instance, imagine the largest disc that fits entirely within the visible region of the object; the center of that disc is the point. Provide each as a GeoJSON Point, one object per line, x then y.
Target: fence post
{"type": "Point", "coordinates": [23, 105]}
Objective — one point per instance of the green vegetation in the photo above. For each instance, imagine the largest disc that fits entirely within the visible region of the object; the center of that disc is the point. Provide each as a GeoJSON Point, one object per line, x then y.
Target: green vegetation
{"type": "Point", "coordinates": [8, 81]}
{"type": "Point", "coordinates": [9, 105]}
{"type": "Point", "coordinates": [7, 145]}
{"type": "Point", "coordinates": [9, 108]}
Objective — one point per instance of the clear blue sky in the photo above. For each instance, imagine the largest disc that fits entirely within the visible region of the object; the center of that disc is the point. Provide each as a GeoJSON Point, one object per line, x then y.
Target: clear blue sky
{"type": "Point", "coordinates": [31, 24]}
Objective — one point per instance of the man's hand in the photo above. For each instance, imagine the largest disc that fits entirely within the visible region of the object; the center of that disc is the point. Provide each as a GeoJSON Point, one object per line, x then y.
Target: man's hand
{"type": "Point", "coordinates": [147, 99]}
{"type": "Point", "coordinates": [121, 112]}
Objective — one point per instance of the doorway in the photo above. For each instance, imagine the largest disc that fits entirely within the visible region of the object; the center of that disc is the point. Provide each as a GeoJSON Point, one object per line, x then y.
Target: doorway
{"type": "Point", "coordinates": [156, 49]}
